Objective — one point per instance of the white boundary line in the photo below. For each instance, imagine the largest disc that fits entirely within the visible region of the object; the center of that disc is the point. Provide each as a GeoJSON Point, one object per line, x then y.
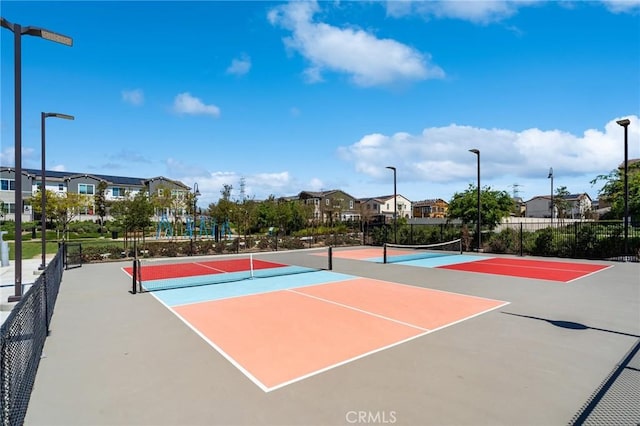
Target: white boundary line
{"type": "Point", "coordinates": [267, 389]}
{"type": "Point", "coordinates": [347, 361]}
{"type": "Point", "coordinates": [353, 308]}
{"type": "Point", "coordinates": [216, 347]}
{"type": "Point", "coordinates": [589, 274]}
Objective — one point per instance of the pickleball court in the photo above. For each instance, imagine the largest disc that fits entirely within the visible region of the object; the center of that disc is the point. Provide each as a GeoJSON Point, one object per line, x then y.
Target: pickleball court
{"type": "Point", "coordinates": [300, 324]}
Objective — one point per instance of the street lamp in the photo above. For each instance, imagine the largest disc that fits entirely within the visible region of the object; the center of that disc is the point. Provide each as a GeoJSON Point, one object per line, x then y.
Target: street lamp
{"type": "Point", "coordinates": [43, 187]}
{"type": "Point", "coordinates": [477, 152]}
{"type": "Point", "coordinates": [196, 193]}
{"type": "Point", "coordinates": [395, 206]}
{"type": "Point", "coordinates": [625, 123]}
{"type": "Point", "coordinates": [18, 31]}
{"type": "Point", "coordinates": [551, 177]}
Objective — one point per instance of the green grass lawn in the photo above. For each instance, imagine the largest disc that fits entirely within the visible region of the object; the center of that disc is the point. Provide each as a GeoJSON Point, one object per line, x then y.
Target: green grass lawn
{"type": "Point", "coordinates": [32, 249]}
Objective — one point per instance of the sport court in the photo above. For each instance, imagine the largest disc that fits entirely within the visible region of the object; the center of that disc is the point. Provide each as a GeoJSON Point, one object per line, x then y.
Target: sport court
{"type": "Point", "coordinates": [114, 358]}
{"type": "Point", "coordinates": [300, 322]}
{"type": "Point", "coordinates": [551, 270]}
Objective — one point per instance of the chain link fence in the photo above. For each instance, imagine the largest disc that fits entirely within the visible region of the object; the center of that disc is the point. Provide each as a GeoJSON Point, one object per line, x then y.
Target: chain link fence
{"type": "Point", "coordinates": [22, 338]}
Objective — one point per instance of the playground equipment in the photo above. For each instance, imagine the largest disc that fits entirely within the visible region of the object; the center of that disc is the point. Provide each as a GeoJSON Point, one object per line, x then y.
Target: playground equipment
{"type": "Point", "coordinates": [164, 228]}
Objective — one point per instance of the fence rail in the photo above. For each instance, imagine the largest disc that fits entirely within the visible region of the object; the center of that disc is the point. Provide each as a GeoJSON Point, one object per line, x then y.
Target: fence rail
{"type": "Point", "coordinates": [569, 239]}
{"type": "Point", "coordinates": [22, 338]}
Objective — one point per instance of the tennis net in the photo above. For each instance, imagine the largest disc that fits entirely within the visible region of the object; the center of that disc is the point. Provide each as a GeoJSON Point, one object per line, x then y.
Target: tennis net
{"type": "Point", "coordinates": [402, 253]}
{"type": "Point", "coordinates": [155, 275]}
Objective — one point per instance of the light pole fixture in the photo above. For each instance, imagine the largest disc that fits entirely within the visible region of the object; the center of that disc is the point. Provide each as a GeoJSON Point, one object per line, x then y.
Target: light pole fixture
{"type": "Point", "coordinates": [477, 152]}
{"type": "Point", "coordinates": [18, 32]}
{"type": "Point", "coordinates": [395, 206]}
{"type": "Point", "coordinates": [550, 176]}
{"type": "Point", "coordinates": [43, 187]}
{"type": "Point", "coordinates": [625, 123]}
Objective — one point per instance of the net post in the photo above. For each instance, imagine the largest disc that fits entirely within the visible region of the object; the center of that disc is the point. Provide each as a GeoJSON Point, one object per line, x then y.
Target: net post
{"type": "Point", "coordinates": [134, 276]}
{"type": "Point", "coordinates": [460, 245]}
{"type": "Point", "coordinates": [330, 258]}
{"type": "Point", "coordinates": [384, 253]}
{"type": "Point", "coordinates": [521, 241]}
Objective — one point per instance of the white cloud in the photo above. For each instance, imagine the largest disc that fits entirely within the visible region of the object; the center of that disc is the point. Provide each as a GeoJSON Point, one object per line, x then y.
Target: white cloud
{"type": "Point", "coordinates": [368, 60]}
{"type": "Point", "coordinates": [441, 154]}
{"type": "Point", "coordinates": [133, 97]}
{"type": "Point", "coordinates": [481, 12]}
{"type": "Point", "coordinates": [59, 168]}
{"type": "Point", "coordinates": [490, 11]}
{"type": "Point", "coordinates": [240, 66]}
{"type": "Point", "coordinates": [622, 6]}
{"type": "Point", "coordinates": [184, 103]}
{"type": "Point", "coordinates": [7, 157]}
{"type": "Point", "coordinates": [259, 185]}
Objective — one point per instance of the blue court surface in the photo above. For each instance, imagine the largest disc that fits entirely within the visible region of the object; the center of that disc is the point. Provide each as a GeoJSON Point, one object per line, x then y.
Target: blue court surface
{"type": "Point", "coordinates": [204, 293]}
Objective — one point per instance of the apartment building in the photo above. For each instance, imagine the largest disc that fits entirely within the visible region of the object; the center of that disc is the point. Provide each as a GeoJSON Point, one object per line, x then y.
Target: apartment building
{"type": "Point", "coordinates": [117, 187]}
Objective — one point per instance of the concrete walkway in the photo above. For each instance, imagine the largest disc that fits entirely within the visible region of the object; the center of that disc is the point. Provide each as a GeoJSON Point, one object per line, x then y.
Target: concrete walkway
{"type": "Point", "coordinates": [30, 273]}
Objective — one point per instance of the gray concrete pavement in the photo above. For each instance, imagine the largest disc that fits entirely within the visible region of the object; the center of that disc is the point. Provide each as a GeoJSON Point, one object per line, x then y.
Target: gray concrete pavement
{"type": "Point", "coordinates": [30, 272]}
{"type": "Point", "coordinates": [119, 359]}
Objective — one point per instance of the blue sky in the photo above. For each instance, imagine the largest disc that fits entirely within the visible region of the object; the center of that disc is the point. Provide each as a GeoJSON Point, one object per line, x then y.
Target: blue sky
{"type": "Point", "coordinates": [323, 95]}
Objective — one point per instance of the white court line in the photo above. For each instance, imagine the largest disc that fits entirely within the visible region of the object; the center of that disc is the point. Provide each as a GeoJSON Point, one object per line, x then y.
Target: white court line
{"type": "Point", "coordinates": [353, 308]}
{"type": "Point", "coordinates": [537, 267]}
{"type": "Point", "coordinates": [216, 347]}
{"type": "Point", "coordinates": [383, 348]}
{"type": "Point", "coordinates": [267, 389]}
{"type": "Point", "coordinates": [209, 267]}
{"type": "Point", "coordinates": [589, 274]}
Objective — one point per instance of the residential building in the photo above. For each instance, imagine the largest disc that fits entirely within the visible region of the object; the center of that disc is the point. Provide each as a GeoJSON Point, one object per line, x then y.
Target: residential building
{"type": "Point", "coordinates": [434, 208]}
{"type": "Point", "coordinates": [118, 187]}
{"type": "Point", "coordinates": [578, 206]}
{"type": "Point", "coordinates": [333, 205]}
{"type": "Point", "coordinates": [384, 205]}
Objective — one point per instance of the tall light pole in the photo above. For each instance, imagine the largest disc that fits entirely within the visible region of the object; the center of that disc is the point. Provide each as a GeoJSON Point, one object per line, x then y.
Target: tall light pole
{"type": "Point", "coordinates": [196, 193]}
{"type": "Point", "coordinates": [43, 187]}
{"type": "Point", "coordinates": [625, 123]}
{"type": "Point", "coordinates": [477, 152]}
{"type": "Point", "coordinates": [395, 206]}
{"type": "Point", "coordinates": [551, 177]}
{"type": "Point", "coordinates": [18, 31]}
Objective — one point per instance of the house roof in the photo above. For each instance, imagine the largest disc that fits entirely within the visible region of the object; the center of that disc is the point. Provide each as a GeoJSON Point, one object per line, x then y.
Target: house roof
{"type": "Point", "coordinates": [116, 180]}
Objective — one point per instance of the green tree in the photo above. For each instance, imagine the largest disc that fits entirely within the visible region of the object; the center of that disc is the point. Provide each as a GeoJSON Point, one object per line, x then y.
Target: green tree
{"type": "Point", "coordinates": [560, 201]}
{"type": "Point", "coordinates": [612, 191]}
{"type": "Point", "coordinates": [167, 200]}
{"type": "Point", "coordinates": [61, 209]}
{"type": "Point", "coordinates": [495, 205]}
{"type": "Point", "coordinates": [100, 201]}
{"type": "Point", "coordinates": [133, 213]}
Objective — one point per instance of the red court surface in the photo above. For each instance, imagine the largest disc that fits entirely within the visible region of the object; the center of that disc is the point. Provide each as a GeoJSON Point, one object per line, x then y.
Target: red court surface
{"type": "Point", "coordinates": [525, 268]}
{"type": "Point", "coordinates": [191, 269]}
{"type": "Point", "coordinates": [281, 337]}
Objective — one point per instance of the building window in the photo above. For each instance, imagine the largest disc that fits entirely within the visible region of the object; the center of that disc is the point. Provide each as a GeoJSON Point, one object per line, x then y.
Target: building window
{"type": "Point", "coordinates": [9, 207]}
{"type": "Point", "coordinates": [177, 194]}
{"type": "Point", "coordinates": [7, 185]}
{"type": "Point", "coordinates": [61, 187]}
{"type": "Point", "coordinates": [351, 204]}
{"type": "Point", "coordinates": [117, 192]}
{"type": "Point", "coordinates": [327, 201]}
{"type": "Point", "coordinates": [86, 189]}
